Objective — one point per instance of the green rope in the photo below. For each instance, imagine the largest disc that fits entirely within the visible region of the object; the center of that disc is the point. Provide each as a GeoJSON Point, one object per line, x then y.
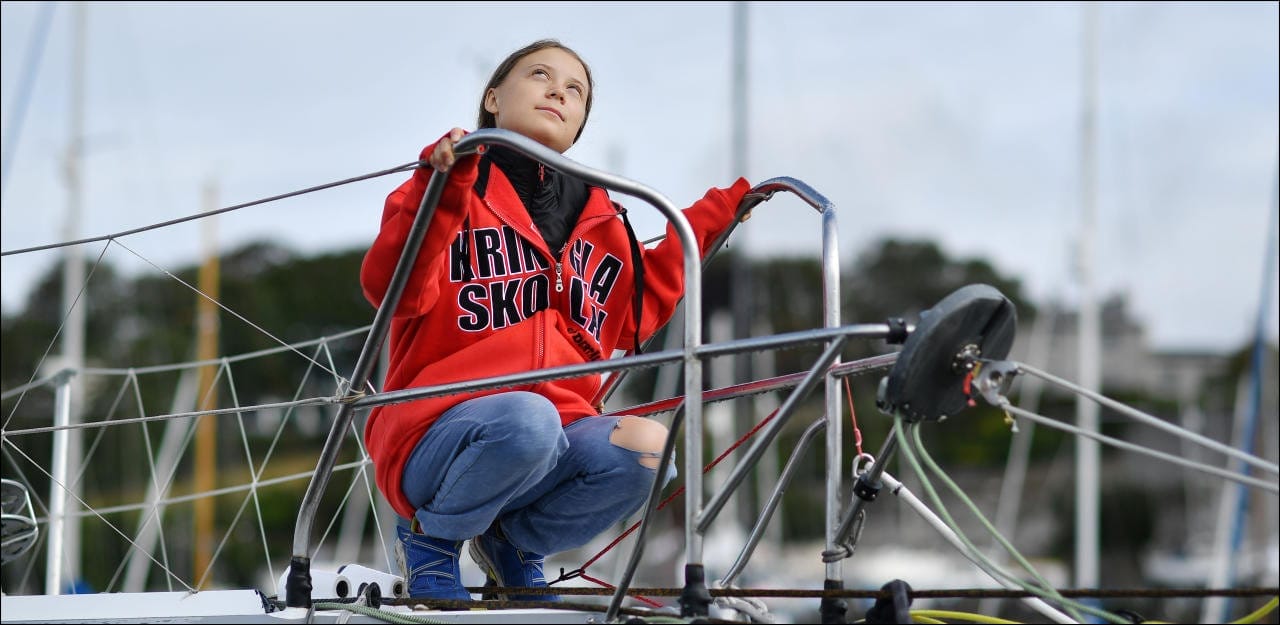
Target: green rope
{"type": "Point", "coordinates": [382, 615]}
{"type": "Point", "coordinates": [1045, 592]}
{"type": "Point", "coordinates": [1044, 585]}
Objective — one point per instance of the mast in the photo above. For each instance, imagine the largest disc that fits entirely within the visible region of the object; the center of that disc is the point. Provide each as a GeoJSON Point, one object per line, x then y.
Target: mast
{"type": "Point", "coordinates": [1087, 449]}
{"type": "Point", "coordinates": [206, 461]}
{"type": "Point", "coordinates": [742, 295]}
{"type": "Point", "coordinates": [74, 303]}
{"type": "Point", "coordinates": [1234, 503]}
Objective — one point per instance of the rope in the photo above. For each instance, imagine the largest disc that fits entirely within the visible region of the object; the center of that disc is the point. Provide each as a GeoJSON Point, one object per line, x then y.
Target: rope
{"type": "Point", "coordinates": [1115, 442]}
{"type": "Point", "coordinates": [1256, 615]}
{"type": "Point", "coordinates": [581, 571]}
{"type": "Point", "coordinates": [1153, 421]}
{"type": "Point", "coordinates": [91, 510]}
{"type": "Point", "coordinates": [920, 616]}
{"type": "Point", "coordinates": [313, 401]}
{"type": "Point", "coordinates": [853, 418]}
{"type": "Point", "coordinates": [959, 616]}
{"type": "Point", "coordinates": [382, 615]}
{"type": "Point", "coordinates": [61, 324]}
{"type": "Point", "coordinates": [219, 304]}
{"type": "Point", "coordinates": [195, 364]}
{"type": "Point", "coordinates": [226, 490]}
{"type": "Point", "coordinates": [1044, 591]}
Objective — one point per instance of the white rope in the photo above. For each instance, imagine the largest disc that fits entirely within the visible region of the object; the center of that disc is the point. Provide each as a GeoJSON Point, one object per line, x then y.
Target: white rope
{"type": "Point", "coordinates": [212, 493]}
{"type": "Point", "coordinates": [311, 401]}
{"type": "Point", "coordinates": [97, 439]}
{"type": "Point", "coordinates": [253, 476]}
{"type": "Point", "coordinates": [1198, 466]}
{"type": "Point", "coordinates": [61, 324]}
{"type": "Point", "coordinates": [195, 364]}
{"type": "Point", "coordinates": [217, 303]}
{"type": "Point", "coordinates": [151, 470]}
{"type": "Point", "coordinates": [355, 479]}
{"type": "Point", "coordinates": [213, 558]}
{"type": "Point", "coordinates": [902, 492]}
{"type": "Point", "coordinates": [1152, 421]}
{"type": "Point", "coordinates": [373, 500]}
{"type": "Point", "coordinates": [131, 378]}
{"type": "Point", "coordinates": [89, 510]}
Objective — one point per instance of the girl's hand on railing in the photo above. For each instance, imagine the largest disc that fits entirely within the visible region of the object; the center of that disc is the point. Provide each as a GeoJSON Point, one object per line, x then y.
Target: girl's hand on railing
{"type": "Point", "coordinates": [442, 157]}
{"type": "Point", "coordinates": [751, 200]}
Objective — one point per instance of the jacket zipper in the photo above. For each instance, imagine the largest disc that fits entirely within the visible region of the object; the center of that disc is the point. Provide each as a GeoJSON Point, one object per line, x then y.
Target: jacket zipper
{"type": "Point", "coordinates": [564, 252]}
{"type": "Point", "coordinates": [581, 227]}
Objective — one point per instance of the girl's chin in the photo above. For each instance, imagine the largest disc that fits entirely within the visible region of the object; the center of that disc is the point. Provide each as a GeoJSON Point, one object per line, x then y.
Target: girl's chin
{"type": "Point", "coordinates": [545, 138]}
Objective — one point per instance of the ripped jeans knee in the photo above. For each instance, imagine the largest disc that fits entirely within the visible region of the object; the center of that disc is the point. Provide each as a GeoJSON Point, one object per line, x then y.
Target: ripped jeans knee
{"type": "Point", "coordinates": [645, 438]}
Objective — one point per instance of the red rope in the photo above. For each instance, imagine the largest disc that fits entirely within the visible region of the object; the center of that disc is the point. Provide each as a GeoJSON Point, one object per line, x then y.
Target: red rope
{"type": "Point", "coordinates": [612, 587]}
{"type": "Point", "coordinates": [679, 491]}
{"type": "Point", "coordinates": [853, 416]}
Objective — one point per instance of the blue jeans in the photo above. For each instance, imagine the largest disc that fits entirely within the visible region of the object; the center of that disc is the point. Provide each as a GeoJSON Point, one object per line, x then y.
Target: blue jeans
{"type": "Point", "coordinates": [506, 457]}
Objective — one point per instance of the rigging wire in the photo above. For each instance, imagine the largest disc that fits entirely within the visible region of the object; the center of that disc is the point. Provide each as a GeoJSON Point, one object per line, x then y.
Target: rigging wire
{"type": "Point", "coordinates": [1115, 442]}
{"type": "Point", "coordinates": [63, 324]}
{"type": "Point", "coordinates": [113, 237]}
{"type": "Point", "coordinates": [253, 492]}
{"type": "Point", "coordinates": [238, 410]}
{"type": "Point", "coordinates": [90, 510]}
{"type": "Point", "coordinates": [25, 88]}
{"type": "Point", "coordinates": [131, 379]}
{"type": "Point", "coordinates": [355, 464]}
{"type": "Point", "coordinates": [1150, 420]}
{"type": "Point", "coordinates": [312, 401]}
{"type": "Point", "coordinates": [228, 310]}
{"type": "Point", "coordinates": [899, 490]}
{"type": "Point", "coordinates": [195, 364]}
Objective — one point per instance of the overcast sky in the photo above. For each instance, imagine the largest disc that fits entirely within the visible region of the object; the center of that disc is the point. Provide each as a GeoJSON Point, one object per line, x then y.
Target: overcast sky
{"type": "Point", "coordinates": [956, 122]}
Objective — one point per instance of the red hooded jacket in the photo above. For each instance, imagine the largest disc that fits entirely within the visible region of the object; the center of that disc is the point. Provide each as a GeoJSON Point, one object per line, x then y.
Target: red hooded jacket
{"type": "Point", "coordinates": [518, 308]}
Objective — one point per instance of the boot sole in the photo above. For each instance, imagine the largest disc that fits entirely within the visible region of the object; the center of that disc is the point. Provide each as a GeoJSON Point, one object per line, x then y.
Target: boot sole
{"type": "Point", "coordinates": [492, 580]}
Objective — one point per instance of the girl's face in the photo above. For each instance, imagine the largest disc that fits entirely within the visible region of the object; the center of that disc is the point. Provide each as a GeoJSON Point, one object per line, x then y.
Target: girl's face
{"type": "Point", "coordinates": [543, 98]}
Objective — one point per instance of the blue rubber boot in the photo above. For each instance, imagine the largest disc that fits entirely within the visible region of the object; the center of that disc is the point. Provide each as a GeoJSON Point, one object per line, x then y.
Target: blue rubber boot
{"type": "Point", "coordinates": [430, 566]}
{"type": "Point", "coordinates": [509, 567]}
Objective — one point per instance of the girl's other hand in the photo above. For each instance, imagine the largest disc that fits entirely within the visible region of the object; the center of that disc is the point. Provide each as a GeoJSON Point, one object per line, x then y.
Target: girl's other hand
{"type": "Point", "coordinates": [442, 157]}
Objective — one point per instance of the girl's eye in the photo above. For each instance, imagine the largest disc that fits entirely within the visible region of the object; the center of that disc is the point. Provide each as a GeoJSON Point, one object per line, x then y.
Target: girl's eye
{"type": "Point", "coordinates": [576, 88]}
{"type": "Point", "coordinates": [539, 72]}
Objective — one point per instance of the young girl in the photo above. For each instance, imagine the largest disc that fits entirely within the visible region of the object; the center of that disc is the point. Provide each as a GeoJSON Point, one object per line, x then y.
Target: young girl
{"type": "Point", "coordinates": [522, 267]}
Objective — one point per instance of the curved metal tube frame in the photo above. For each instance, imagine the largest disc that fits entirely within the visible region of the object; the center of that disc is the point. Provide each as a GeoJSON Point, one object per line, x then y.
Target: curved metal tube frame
{"type": "Point", "coordinates": [298, 585]}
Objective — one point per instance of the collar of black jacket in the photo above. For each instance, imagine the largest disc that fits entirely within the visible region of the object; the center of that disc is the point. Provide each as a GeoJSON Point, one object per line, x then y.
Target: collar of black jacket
{"type": "Point", "coordinates": [554, 200]}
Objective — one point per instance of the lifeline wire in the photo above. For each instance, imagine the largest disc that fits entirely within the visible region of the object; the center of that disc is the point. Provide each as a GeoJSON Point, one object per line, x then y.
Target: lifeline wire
{"type": "Point", "coordinates": [113, 237]}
